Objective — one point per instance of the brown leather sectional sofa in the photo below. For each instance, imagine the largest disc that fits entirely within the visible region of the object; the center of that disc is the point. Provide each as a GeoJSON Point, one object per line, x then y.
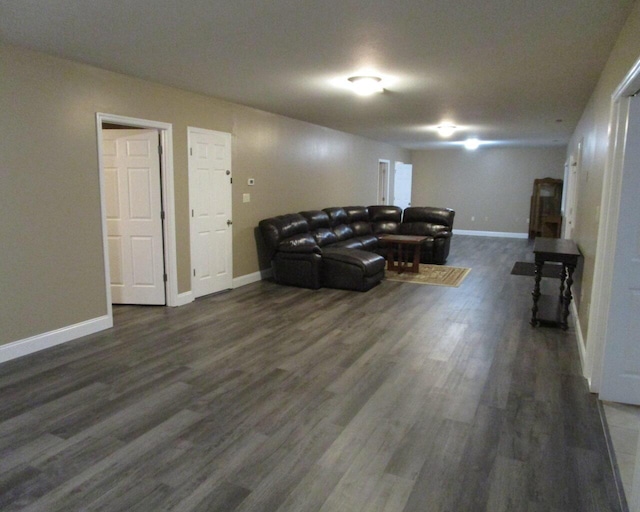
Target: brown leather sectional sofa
{"type": "Point", "coordinates": [338, 247]}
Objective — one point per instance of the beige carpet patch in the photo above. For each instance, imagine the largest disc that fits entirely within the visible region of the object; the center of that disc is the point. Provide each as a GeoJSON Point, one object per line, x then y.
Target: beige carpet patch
{"type": "Point", "coordinates": [438, 275]}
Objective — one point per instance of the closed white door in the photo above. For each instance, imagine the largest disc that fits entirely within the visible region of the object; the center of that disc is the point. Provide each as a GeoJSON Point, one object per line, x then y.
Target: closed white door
{"type": "Point", "coordinates": [621, 368]}
{"type": "Point", "coordinates": [402, 185]}
{"type": "Point", "coordinates": [210, 199]}
{"type": "Point", "coordinates": [134, 216]}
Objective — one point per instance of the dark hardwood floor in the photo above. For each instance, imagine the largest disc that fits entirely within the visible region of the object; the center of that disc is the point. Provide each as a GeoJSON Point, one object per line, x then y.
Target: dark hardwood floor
{"type": "Point", "coordinates": [271, 398]}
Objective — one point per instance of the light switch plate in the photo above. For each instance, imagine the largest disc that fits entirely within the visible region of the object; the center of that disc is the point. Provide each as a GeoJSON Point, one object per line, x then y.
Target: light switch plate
{"type": "Point", "coordinates": [246, 198]}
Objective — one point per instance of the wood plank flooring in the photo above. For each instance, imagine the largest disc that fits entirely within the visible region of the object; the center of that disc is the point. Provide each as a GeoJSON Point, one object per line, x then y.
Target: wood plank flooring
{"type": "Point", "coordinates": [269, 398]}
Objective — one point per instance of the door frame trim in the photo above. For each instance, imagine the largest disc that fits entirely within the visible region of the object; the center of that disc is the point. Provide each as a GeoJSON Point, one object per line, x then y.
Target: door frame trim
{"type": "Point", "coordinates": [607, 234]}
{"type": "Point", "coordinates": [385, 181]}
{"type": "Point", "coordinates": [168, 201]}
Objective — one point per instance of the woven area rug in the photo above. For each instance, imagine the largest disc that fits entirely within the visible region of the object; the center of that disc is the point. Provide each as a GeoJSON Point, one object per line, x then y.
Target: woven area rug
{"type": "Point", "coordinates": [437, 275]}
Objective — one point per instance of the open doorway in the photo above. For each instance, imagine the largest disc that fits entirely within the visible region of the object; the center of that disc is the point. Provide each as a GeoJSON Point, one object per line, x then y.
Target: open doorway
{"type": "Point", "coordinates": [165, 145]}
{"type": "Point", "coordinates": [403, 176]}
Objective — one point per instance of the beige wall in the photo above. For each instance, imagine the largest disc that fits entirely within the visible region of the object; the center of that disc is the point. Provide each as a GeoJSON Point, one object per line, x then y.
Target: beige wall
{"type": "Point", "coordinates": [491, 184]}
{"type": "Point", "coordinates": [51, 262]}
{"type": "Point", "coordinates": [593, 131]}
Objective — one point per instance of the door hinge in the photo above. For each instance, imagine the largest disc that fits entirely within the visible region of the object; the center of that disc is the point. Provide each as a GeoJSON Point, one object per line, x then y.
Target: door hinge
{"type": "Point", "coordinates": [231, 180]}
{"type": "Point", "coordinates": [162, 215]}
{"type": "Point", "coordinates": [164, 276]}
{"type": "Point", "coordinates": [160, 149]}
{"type": "Point", "coordinates": [194, 272]}
{"type": "Point", "coordinates": [192, 213]}
{"type": "Point", "coordinates": [190, 151]}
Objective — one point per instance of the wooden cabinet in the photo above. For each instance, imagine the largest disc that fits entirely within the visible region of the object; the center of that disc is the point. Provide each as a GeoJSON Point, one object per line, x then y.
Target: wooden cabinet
{"type": "Point", "coordinates": [545, 217]}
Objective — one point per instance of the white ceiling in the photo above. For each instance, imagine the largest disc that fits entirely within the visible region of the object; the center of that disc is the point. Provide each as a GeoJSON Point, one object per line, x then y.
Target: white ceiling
{"type": "Point", "coordinates": [507, 70]}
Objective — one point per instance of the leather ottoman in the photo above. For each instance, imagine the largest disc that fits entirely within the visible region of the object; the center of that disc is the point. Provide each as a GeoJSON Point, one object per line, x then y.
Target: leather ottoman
{"type": "Point", "coordinates": [351, 269]}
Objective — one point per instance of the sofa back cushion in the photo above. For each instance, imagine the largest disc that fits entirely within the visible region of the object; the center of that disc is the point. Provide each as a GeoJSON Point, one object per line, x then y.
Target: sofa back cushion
{"type": "Point", "coordinates": [358, 219]}
{"type": "Point", "coordinates": [336, 215]}
{"type": "Point", "coordinates": [385, 219]}
{"type": "Point", "coordinates": [343, 232]}
{"type": "Point", "coordinates": [324, 236]}
{"type": "Point", "coordinates": [316, 219]}
{"type": "Point", "coordinates": [435, 216]}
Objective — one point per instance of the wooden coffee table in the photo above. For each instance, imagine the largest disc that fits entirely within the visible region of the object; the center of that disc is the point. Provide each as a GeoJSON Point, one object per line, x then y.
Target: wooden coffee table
{"type": "Point", "coordinates": [401, 243]}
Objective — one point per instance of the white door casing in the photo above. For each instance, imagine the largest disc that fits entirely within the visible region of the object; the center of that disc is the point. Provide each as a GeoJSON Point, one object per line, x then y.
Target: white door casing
{"type": "Point", "coordinates": [210, 187]}
{"type": "Point", "coordinates": [402, 185]}
{"type": "Point", "coordinates": [603, 275]}
{"type": "Point", "coordinates": [383, 181]}
{"type": "Point", "coordinates": [571, 191]}
{"type": "Point", "coordinates": [621, 363]}
{"type": "Point", "coordinates": [133, 210]}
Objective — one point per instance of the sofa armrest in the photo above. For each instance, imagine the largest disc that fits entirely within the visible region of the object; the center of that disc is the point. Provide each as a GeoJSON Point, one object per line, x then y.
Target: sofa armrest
{"type": "Point", "coordinates": [303, 243]}
{"type": "Point", "coordinates": [442, 232]}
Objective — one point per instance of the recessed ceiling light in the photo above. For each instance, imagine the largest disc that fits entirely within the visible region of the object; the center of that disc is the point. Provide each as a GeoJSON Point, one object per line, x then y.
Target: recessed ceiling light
{"type": "Point", "coordinates": [446, 130]}
{"type": "Point", "coordinates": [472, 144]}
{"type": "Point", "coordinates": [366, 85]}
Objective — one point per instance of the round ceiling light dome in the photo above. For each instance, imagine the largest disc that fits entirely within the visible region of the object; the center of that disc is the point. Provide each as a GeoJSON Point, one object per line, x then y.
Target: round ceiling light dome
{"type": "Point", "coordinates": [366, 85]}
{"type": "Point", "coordinates": [446, 130]}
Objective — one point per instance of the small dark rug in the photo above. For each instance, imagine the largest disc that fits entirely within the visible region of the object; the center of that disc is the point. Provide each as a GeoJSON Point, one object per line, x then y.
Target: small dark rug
{"type": "Point", "coordinates": [524, 268]}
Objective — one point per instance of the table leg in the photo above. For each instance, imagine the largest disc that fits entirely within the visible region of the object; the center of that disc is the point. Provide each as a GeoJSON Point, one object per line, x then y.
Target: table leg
{"type": "Point", "coordinates": [536, 294]}
{"type": "Point", "coordinates": [401, 262]}
{"type": "Point", "coordinates": [567, 297]}
{"type": "Point", "coordinates": [416, 259]}
{"type": "Point", "coordinates": [390, 262]}
{"type": "Point", "coordinates": [563, 277]}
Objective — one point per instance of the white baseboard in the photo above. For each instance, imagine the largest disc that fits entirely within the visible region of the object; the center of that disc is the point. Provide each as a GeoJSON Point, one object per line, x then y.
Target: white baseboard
{"type": "Point", "coordinates": [184, 299]}
{"type": "Point", "coordinates": [580, 340]}
{"type": "Point", "coordinates": [498, 234]}
{"type": "Point", "coordinates": [52, 338]}
{"type": "Point", "coordinates": [252, 278]}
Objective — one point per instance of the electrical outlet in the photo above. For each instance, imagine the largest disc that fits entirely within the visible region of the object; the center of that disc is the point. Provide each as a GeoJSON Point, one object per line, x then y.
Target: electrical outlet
{"type": "Point", "coordinates": [473, 218]}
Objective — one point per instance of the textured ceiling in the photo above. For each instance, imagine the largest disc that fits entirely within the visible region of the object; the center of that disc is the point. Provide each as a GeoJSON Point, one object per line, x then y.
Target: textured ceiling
{"type": "Point", "coordinates": [506, 70]}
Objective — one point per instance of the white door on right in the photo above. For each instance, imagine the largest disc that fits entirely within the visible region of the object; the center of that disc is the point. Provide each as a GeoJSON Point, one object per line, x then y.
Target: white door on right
{"type": "Point", "coordinates": [621, 368]}
{"type": "Point", "coordinates": [402, 185]}
{"type": "Point", "coordinates": [210, 200]}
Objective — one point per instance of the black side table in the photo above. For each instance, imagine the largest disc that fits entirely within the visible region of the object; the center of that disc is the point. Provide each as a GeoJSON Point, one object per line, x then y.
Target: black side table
{"type": "Point", "coordinates": [549, 310]}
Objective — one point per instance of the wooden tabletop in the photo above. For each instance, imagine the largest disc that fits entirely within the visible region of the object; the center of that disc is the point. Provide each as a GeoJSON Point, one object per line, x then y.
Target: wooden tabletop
{"type": "Point", "coordinates": [555, 246]}
{"type": "Point", "coordinates": [402, 239]}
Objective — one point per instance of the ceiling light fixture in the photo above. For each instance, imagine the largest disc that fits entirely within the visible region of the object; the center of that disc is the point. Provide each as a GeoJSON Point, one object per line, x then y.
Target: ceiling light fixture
{"type": "Point", "coordinates": [446, 130]}
{"type": "Point", "coordinates": [472, 144]}
{"type": "Point", "coordinates": [366, 85]}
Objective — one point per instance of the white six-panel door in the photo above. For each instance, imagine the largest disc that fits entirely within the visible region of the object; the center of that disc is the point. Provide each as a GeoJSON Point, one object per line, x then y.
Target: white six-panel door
{"type": "Point", "coordinates": [210, 200]}
{"type": "Point", "coordinates": [134, 223]}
